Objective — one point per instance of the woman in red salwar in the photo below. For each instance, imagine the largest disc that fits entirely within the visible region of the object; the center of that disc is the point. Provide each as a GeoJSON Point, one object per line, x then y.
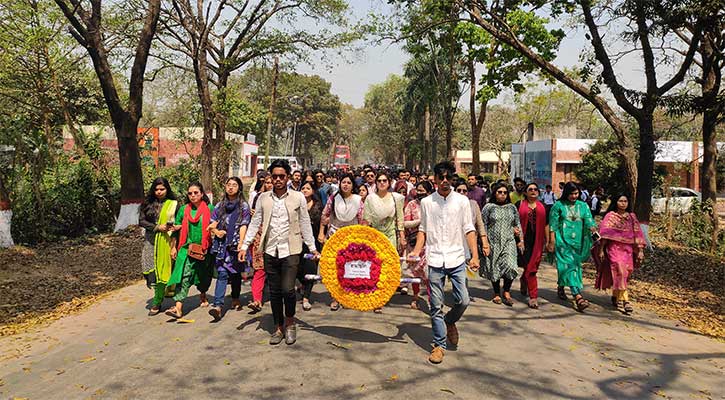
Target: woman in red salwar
{"type": "Point", "coordinates": [534, 231]}
{"type": "Point", "coordinates": [621, 248]}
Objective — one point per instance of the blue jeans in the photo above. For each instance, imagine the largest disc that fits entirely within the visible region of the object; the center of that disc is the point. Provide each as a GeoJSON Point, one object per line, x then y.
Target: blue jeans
{"type": "Point", "coordinates": [436, 282]}
{"type": "Point", "coordinates": [220, 290]}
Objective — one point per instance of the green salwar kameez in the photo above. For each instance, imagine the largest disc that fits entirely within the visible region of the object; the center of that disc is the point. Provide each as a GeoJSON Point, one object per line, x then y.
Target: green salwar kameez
{"type": "Point", "coordinates": [571, 223]}
{"type": "Point", "coordinates": [188, 271]}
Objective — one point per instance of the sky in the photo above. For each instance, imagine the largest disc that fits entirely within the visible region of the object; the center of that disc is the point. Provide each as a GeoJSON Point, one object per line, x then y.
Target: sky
{"type": "Point", "coordinates": [372, 65]}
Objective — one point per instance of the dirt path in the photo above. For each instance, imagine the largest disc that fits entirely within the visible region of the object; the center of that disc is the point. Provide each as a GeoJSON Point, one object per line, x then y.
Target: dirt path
{"type": "Point", "coordinates": [114, 351]}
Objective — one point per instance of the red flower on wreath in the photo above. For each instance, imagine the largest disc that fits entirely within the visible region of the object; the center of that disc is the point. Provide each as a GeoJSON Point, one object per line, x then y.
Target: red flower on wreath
{"type": "Point", "coordinates": [358, 252]}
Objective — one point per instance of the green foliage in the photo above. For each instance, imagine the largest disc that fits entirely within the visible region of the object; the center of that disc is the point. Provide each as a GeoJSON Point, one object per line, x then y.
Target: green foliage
{"type": "Point", "coordinates": [70, 199]}
{"type": "Point", "coordinates": [693, 229]}
{"type": "Point", "coordinates": [180, 176]}
{"type": "Point", "coordinates": [385, 122]}
{"type": "Point", "coordinates": [601, 165]}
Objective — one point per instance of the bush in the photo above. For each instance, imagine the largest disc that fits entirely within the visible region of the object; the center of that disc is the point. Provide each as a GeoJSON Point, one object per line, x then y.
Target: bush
{"type": "Point", "coordinates": [693, 230]}
{"type": "Point", "coordinates": [71, 199]}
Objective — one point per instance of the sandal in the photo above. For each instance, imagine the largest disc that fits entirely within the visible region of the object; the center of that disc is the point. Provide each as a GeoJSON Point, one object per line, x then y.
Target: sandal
{"type": "Point", "coordinates": [628, 309]}
{"type": "Point", "coordinates": [254, 306]}
{"type": "Point", "coordinates": [496, 299]}
{"type": "Point", "coordinates": [560, 292]}
{"type": "Point", "coordinates": [203, 302]}
{"type": "Point", "coordinates": [581, 303]}
{"type": "Point", "coordinates": [533, 303]}
{"type": "Point", "coordinates": [154, 311]}
{"type": "Point", "coordinates": [508, 300]}
{"type": "Point", "coordinates": [334, 306]}
{"type": "Point", "coordinates": [306, 305]}
{"type": "Point", "coordinates": [173, 312]}
{"type": "Point", "coordinates": [236, 305]}
{"type": "Point", "coordinates": [378, 311]}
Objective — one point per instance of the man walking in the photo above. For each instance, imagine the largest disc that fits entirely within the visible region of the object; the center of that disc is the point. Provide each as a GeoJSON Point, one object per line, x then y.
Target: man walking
{"type": "Point", "coordinates": [445, 220]}
{"type": "Point", "coordinates": [282, 214]}
{"type": "Point", "coordinates": [475, 193]}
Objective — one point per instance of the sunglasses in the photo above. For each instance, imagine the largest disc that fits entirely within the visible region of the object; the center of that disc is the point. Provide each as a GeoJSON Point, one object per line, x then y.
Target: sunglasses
{"type": "Point", "coordinates": [445, 177]}
{"type": "Point", "coordinates": [501, 192]}
{"type": "Point", "coordinates": [462, 191]}
{"type": "Point", "coordinates": [382, 180]}
{"type": "Point", "coordinates": [193, 193]}
{"type": "Point", "coordinates": [278, 176]}
{"type": "Point", "coordinates": [533, 189]}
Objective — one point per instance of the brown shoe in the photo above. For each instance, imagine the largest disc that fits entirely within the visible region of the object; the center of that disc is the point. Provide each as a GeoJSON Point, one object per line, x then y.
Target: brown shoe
{"type": "Point", "coordinates": [436, 355]}
{"type": "Point", "coordinates": [452, 334]}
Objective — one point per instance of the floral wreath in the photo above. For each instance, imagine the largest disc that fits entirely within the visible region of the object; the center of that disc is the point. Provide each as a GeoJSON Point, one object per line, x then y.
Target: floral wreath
{"type": "Point", "coordinates": [360, 267]}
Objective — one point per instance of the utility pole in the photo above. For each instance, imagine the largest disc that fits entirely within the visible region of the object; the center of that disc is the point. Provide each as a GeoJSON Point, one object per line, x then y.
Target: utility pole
{"type": "Point", "coordinates": [271, 112]}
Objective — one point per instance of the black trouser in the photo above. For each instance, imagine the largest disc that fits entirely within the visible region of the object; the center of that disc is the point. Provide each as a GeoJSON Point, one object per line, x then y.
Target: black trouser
{"type": "Point", "coordinates": [506, 285]}
{"type": "Point", "coordinates": [281, 274]}
{"type": "Point", "coordinates": [307, 267]}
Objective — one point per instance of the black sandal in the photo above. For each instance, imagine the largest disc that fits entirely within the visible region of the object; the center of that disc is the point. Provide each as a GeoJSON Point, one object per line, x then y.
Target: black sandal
{"type": "Point", "coordinates": [581, 303]}
{"type": "Point", "coordinates": [508, 301]}
{"type": "Point", "coordinates": [628, 309]}
{"type": "Point", "coordinates": [560, 292]}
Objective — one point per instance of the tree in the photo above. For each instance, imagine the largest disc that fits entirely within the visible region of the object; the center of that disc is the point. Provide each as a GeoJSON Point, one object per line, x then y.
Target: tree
{"type": "Point", "coordinates": [503, 67]}
{"type": "Point", "coordinates": [383, 108]}
{"type": "Point", "coordinates": [89, 28]}
{"type": "Point", "coordinates": [219, 37]}
{"type": "Point", "coordinates": [646, 21]}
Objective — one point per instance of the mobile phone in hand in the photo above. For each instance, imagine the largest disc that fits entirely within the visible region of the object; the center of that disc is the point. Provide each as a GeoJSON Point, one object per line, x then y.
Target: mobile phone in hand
{"type": "Point", "coordinates": [596, 236]}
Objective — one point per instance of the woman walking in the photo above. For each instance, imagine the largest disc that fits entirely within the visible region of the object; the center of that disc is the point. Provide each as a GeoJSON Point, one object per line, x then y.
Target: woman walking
{"type": "Point", "coordinates": [570, 228]}
{"type": "Point", "coordinates": [384, 211]}
{"type": "Point", "coordinates": [411, 222]}
{"type": "Point", "coordinates": [156, 216]}
{"type": "Point", "coordinates": [619, 250]}
{"type": "Point", "coordinates": [309, 266]}
{"type": "Point", "coordinates": [501, 219]}
{"type": "Point", "coordinates": [344, 209]}
{"type": "Point", "coordinates": [259, 276]}
{"type": "Point", "coordinates": [190, 250]}
{"type": "Point", "coordinates": [535, 231]}
{"type": "Point", "coordinates": [229, 222]}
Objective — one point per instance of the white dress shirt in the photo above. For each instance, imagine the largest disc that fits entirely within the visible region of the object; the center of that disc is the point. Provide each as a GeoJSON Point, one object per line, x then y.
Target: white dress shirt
{"type": "Point", "coordinates": [445, 221]}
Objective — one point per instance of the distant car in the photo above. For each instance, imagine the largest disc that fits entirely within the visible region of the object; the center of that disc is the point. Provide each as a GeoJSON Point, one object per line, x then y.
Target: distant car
{"type": "Point", "coordinates": [680, 201]}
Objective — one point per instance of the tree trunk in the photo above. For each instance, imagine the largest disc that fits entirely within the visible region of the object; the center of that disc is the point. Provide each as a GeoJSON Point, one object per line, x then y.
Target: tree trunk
{"type": "Point", "coordinates": [270, 116]}
{"type": "Point", "coordinates": [426, 140]}
{"type": "Point", "coordinates": [449, 134]}
{"type": "Point", "coordinates": [645, 169]}
{"type": "Point", "coordinates": [6, 217]}
{"type": "Point", "coordinates": [208, 145]}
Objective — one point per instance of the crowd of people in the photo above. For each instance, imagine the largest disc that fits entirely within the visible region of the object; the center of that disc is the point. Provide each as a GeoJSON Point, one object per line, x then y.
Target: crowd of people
{"type": "Point", "coordinates": [442, 224]}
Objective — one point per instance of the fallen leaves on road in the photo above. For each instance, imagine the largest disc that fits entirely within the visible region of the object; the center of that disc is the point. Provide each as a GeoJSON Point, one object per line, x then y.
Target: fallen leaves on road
{"type": "Point", "coordinates": [68, 276]}
{"type": "Point", "coordinates": [393, 378]}
{"type": "Point", "coordinates": [184, 321]}
{"type": "Point", "coordinates": [87, 359]}
{"type": "Point", "coordinates": [447, 390]}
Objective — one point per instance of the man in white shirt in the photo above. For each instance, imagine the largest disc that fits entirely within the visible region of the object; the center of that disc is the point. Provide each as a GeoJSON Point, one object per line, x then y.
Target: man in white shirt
{"type": "Point", "coordinates": [285, 222]}
{"type": "Point", "coordinates": [444, 226]}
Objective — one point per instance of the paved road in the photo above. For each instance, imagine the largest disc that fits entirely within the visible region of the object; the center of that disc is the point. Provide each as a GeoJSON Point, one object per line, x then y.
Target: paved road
{"type": "Point", "coordinates": [114, 351]}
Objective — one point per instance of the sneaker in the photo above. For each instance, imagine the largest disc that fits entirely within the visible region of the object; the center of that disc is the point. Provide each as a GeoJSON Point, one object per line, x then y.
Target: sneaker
{"type": "Point", "coordinates": [276, 338]}
{"type": "Point", "coordinates": [436, 355]}
{"type": "Point", "coordinates": [452, 334]}
{"type": "Point", "coordinates": [216, 313]}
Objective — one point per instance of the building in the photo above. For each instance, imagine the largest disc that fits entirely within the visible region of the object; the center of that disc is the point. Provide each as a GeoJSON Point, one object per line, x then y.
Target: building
{"type": "Point", "coordinates": [550, 161]}
{"type": "Point", "coordinates": [161, 147]}
{"type": "Point", "coordinates": [489, 161]}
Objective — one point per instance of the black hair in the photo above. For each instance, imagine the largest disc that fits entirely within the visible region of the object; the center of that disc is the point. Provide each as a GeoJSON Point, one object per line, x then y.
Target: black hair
{"type": "Point", "coordinates": [387, 175]}
{"type": "Point", "coordinates": [280, 163]}
{"type": "Point", "coordinates": [548, 187]}
{"type": "Point", "coordinates": [518, 179]}
{"type": "Point", "coordinates": [204, 197]}
{"type": "Point", "coordinates": [260, 181]}
{"type": "Point", "coordinates": [151, 194]}
{"type": "Point", "coordinates": [222, 218]}
{"type": "Point", "coordinates": [568, 188]}
{"type": "Point", "coordinates": [426, 185]}
{"type": "Point", "coordinates": [615, 199]}
{"type": "Point", "coordinates": [495, 188]}
{"type": "Point", "coordinates": [472, 174]}
{"type": "Point", "coordinates": [444, 166]}
{"type": "Point", "coordinates": [349, 176]}
{"type": "Point", "coordinates": [313, 184]}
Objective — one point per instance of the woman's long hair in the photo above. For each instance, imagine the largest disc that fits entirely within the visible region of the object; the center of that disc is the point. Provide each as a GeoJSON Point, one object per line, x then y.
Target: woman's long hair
{"type": "Point", "coordinates": [568, 188]}
{"type": "Point", "coordinates": [151, 195]}
{"type": "Point", "coordinates": [495, 188]}
{"type": "Point", "coordinates": [615, 199]}
{"type": "Point", "coordinates": [204, 197]}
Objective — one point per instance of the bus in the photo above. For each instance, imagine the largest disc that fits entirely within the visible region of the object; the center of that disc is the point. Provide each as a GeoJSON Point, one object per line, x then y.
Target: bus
{"type": "Point", "coordinates": [341, 157]}
{"type": "Point", "coordinates": [293, 163]}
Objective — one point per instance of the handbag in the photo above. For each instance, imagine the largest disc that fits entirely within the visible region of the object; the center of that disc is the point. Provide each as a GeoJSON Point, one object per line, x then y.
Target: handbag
{"type": "Point", "coordinates": [196, 252]}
